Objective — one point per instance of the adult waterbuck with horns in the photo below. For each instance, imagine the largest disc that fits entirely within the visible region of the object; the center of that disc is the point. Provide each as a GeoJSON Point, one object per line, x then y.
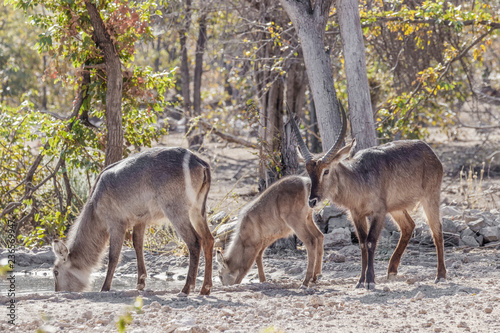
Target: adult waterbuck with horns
{"type": "Point", "coordinates": [138, 191]}
{"type": "Point", "coordinates": [391, 178]}
{"type": "Point", "coordinates": [278, 212]}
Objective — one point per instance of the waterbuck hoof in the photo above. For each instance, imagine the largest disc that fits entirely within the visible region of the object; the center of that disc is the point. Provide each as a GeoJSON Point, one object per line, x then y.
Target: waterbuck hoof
{"type": "Point", "coordinates": [370, 285]}
{"type": "Point", "coordinates": [440, 279]}
{"type": "Point", "coordinates": [316, 278]}
{"type": "Point", "coordinates": [391, 276]}
{"type": "Point", "coordinates": [182, 295]}
{"type": "Point", "coordinates": [205, 291]}
{"type": "Point", "coordinates": [140, 286]}
{"type": "Point", "coordinates": [360, 285]}
{"type": "Point", "coordinates": [303, 287]}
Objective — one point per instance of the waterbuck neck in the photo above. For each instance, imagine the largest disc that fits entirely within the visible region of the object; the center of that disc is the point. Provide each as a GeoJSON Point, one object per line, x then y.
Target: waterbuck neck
{"type": "Point", "coordinates": [345, 182]}
{"type": "Point", "coordinates": [87, 239]}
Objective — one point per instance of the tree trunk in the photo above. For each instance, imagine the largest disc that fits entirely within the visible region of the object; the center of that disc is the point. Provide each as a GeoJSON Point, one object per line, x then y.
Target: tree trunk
{"type": "Point", "coordinates": [310, 22]}
{"type": "Point", "coordinates": [198, 67]}
{"type": "Point", "coordinates": [313, 126]}
{"type": "Point", "coordinates": [358, 90]}
{"type": "Point", "coordinates": [184, 59]}
{"type": "Point", "coordinates": [114, 144]}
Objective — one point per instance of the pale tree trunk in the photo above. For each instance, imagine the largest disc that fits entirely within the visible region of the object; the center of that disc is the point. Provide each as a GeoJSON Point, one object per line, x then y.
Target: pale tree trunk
{"type": "Point", "coordinates": [198, 67]}
{"type": "Point", "coordinates": [309, 21]}
{"type": "Point", "coordinates": [184, 58]}
{"type": "Point", "coordinates": [114, 140]}
{"type": "Point", "coordinates": [360, 107]}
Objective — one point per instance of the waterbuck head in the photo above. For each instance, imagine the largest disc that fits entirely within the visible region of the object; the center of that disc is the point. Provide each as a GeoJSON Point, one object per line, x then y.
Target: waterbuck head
{"type": "Point", "coordinates": [66, 276]}
{"type": "Point", "coordinates": [321, 170]}
{"type": "Point", "coordinates": [227, 277]}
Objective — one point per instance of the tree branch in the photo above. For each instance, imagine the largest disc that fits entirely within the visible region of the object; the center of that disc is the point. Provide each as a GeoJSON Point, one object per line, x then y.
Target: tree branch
{"type": "Point", "coordinates": [28, 179]}
{"type": "Point", "coordinates": [228, 137]}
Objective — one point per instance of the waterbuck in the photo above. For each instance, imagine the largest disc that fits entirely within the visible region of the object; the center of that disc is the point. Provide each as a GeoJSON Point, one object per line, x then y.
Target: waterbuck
{"type": "Point", "coordinates": [391, 178]}
{"type": "Point", "coordinates": [278, 212]}
{"type": "Point", "coordinates": [138, 191]}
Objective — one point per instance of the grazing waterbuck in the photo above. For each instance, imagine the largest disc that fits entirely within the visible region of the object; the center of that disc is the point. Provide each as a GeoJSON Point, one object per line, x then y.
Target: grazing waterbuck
{"type": "Point", "coordinates": [135, 192]}
{"type": "Point", "coordinates": [278, 212]}
{"type": "Point", "coordinates": [391, 178]}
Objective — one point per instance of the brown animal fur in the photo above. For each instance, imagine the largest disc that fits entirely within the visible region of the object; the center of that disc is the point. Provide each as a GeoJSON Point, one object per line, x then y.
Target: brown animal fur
{"type": "Point", "coordinates": [278, 212]}
{"type": "Point", "coordinates": [133, 193]}
{"type": "Point", "coordinates": [391, 178]}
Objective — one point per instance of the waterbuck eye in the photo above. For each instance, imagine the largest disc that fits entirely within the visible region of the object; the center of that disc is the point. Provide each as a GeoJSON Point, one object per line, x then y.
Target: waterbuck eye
{"type": "Point", "coordinates": [56, 273]}
{"type": "Point", "coordinates": [326, 172]}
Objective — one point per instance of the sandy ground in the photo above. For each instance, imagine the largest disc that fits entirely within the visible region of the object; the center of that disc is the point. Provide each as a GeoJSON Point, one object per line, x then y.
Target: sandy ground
{"type": "Point", "coordinates": [468, 301]}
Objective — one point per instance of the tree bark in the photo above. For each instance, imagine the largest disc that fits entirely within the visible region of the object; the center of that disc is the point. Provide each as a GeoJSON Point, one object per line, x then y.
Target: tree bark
{"type": "Point", "coordinates": [309, 21]}
{"type": "Point", "coordinates": [358, 90]}
{"type": "Point", "coordinates": [198, 64]}
{"type": "Point", "coordinates": [184, 59]}
{"type": "Point", "coordinates": [114, 144]}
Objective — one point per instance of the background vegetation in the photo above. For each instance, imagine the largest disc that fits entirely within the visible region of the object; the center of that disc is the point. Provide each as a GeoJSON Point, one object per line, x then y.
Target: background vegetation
{"type": "Point", "coordinates": [220, 64]}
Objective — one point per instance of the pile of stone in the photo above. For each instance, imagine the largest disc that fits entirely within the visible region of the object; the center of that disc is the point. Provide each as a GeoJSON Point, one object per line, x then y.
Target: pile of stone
{"type": "Point", "coordinates": [469, 227]}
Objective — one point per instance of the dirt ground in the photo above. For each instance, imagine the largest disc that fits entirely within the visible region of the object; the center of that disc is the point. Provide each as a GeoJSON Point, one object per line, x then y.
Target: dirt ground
{"type": "Point", "coordinates": [468, 301]}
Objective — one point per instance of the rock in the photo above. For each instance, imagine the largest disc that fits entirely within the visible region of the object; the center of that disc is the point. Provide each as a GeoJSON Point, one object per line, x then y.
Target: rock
{"type": "Point", "coordinates": [451, 239]}
{"type": "Point", "coordinates": [339, 236]}
{"type": "Point", "coordinates": [418, 296]}
{"type": "Point", "coordinates": [127, 255]}
{"type": "Point", "coordinates": [395, 237]}
{"type": "Point", "coordinates": [450, 211]}
{"type": "Point", "coordinates": [490, 234]}
{"type": "Point", "coordinates": [390, 225]}
{"type": "Point", "coordinates": [351, 250]}
{"type": "Point", "coordinates": [467, 232]}
{"type": "Point", "coordinates": [294, 270]}
{"type": "Point", "coordinates": [469, 241]}
{"type": "Point", "coordinates": [461, 226]}
{"type": "Point", "coordinates": [480, 240]}
{"type": "Point", "coordinates": [488, 309]}
{"type": "Point", "coordinates": [335, 257]}
{"type": "Point", "coordinates": [87, 315]}
{"type": "Point", "coordinates": [44, 257]}
{"type": "Point", "coordinates": [217, 218]}
{"type": "Point", "coordinates": [449, 226]}
{"type": "Point", "coordinates": [330, 211]}
{"type": "Point", "coordinates": [477, 224]}
{"type": "Point", "coordinates": [316, 301]}
{"type": "Point", "coordinates": [338, 222]}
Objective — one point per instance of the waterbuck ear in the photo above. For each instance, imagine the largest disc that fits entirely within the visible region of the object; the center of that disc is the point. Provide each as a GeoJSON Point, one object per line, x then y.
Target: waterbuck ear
{"type": "Point", "coordinates": [353, 148]}
{"type": "Point", "coordinates": [345, 152]}
{"type": "Point", "coordinates": [220, 258]}
{"type": "Point", "coordinates": [60, 250]}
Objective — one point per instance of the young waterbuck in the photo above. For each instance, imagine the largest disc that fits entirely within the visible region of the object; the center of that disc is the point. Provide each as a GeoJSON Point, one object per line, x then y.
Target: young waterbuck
{"type": "Point", "coordinates": [133, 193]}
{"type": "Point", "coordinates": [390, 178]}
{"type": "Point", "coordinates": [278, 212]}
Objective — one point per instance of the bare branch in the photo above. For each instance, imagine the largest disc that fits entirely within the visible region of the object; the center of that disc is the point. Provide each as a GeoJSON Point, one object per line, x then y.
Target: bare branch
{"type": "Point", "coordinates": [228, 137]}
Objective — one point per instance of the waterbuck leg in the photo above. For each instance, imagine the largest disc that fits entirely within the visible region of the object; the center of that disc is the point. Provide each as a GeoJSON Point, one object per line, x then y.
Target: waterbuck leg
{"type": "Point", "coordinates": [313, 228]}
{"type": "Point", "coordinates": [138, 240]}
{"type": "Point", "coordinates": [207, 242]}
{"type": "Point", "coordinates": [406, 225]}
{"type": "Point", "coordinates": [376, 226]}
{"type": "Point", "coordinates": [360, 224]}
{"type": "Point", "coordinates": [310, 242]}
{"type": "Point", "coordinates": [431, 209]}
{"type": "Point", "coordinates": [116, 238]}
{"type": "Point", "coordinates": [260, 265]}
{"type": "Point", "coordinates": [185, 229]}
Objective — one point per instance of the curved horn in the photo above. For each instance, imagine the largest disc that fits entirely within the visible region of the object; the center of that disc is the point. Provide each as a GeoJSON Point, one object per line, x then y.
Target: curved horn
{"type": "Point", "coordinates": [328, 157]}
{"type": "Point", "coordinates": [303, 148]}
